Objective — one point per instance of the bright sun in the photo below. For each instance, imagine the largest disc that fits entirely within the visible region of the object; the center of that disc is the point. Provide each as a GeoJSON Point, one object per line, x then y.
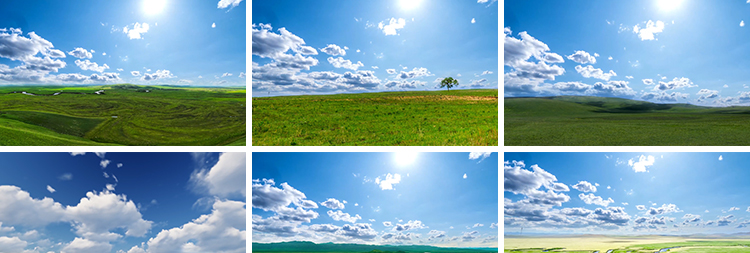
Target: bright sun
{"type": "Point", "coordinates": [668, 5]}
{"type": "Point", "coordinates": [405, 158]}
{"type": "Point", "coordinates": [409, 4]}
{"type": "Point", "coordinates": [153, 7]}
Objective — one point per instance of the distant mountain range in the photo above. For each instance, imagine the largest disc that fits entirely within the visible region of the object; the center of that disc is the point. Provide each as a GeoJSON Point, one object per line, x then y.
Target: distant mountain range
{"type": "Point", "coordinates": [298, 246]}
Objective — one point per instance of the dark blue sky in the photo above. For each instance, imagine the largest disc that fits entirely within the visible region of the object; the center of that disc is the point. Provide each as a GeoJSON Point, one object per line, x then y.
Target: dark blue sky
{"type": "Point", "coordinates": [114, 201]}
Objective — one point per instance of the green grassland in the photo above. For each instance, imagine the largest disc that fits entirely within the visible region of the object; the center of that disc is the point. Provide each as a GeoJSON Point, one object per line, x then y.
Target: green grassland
{"type": "Point", "coordinates": [615, 244]}
{"type": "Point", "coordinates": [413, 118]}
{"type": "Point", "coordinates": [288, 247]}
{"type": "Point", "coordinates": [598, 121]}
{"type": "Point", "coordinates": [125, 114]}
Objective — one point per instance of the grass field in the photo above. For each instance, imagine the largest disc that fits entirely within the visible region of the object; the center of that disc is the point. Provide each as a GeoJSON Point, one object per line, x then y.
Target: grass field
{"type": "Point", "coordinates": [124, 115]}
{"type": "Point", "coordinates": [597, 121]}
{"type": "Point", "coordinates": [622, 244]}
{"type": "Point", "coordinates": [413, 118]}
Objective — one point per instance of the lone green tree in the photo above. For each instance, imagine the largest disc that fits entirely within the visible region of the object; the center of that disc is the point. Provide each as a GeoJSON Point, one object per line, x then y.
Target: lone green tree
{"type": "Point", "coordinates": [448, 82]}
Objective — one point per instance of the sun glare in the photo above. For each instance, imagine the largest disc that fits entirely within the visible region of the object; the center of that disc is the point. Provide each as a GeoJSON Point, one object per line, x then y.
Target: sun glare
{"type": "Point", "coordinates": [405, 158]}
{"type": "Point", "coordinates": [153, 7]}
{"type": "Point", "coordinates": [409, 4]}
{"type": "Point", "coordinates": [668, 5]}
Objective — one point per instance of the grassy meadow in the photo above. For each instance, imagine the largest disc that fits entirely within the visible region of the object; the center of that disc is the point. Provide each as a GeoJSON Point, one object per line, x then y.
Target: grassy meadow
{"type": "Point", "coordinates": [623, 244]}
{"type": "Point", "coordinates": [598, 121]}
{"type": "Point", "coordinates": [123, 115]}
{"type": "Point", "coordinates": [412, 118]}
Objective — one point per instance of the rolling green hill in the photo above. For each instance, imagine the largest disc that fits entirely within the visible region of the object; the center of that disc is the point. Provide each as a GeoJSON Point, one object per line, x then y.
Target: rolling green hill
{"type": "Point", "coordinates": [599, 121]}
{"type": "Point", "coordinates": [333, 247]}
{"type": "Point", "coordinates": [122, 114]}
{"type": "Point", "coordinates": [411, 118]}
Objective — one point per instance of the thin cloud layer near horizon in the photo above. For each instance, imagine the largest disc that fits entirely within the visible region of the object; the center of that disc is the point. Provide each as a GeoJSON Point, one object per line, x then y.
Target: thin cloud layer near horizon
{"type": "Point", "coordinates": [439, 199]}
{"type": "Point", "coordinates": [171, 42]}
{"type": "Point", "coordinates": [319, 47]}
{"type": "Point", "coordinates": [626, 193]}
{"type": "Point", "coordinates": [122, 202]}
{"type": "Point", "coordinates": [666, 51]}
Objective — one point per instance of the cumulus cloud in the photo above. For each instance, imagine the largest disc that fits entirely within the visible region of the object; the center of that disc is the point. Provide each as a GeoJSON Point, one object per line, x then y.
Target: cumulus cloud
{"type": "Point", "coordinates": [334, 50]}
{"type": "Point", "coordinates": [410, 225]}
{"type": "Point", "coordinates": [643, 162]}
{"type": "Point", "coordinates": [414, 73]}
{"type": "Point", "coordinates": [333, 204]}
{"type": "Point", "coordinates": [664, 209]}
{"type": "Point", "coordinates": [584, 186]}
{"type": "Point", "coordinates": [136, 31]}
{"type": "Point", "coordinates": [159, 74]}
{"type": "Point", "coordinates": [648, 32]}
{"type": "Point", "coordinates": [223, 230]}
{"type": "Point", "coordinates": [338, 215]}
{"type": "Point", "coordinates": [392, 27]}
{"type": "Point", "coordinates": [86, 246]}
{"type": "Point", "coordinates": [592, 199]}
{"type": "Point", "coordinates": [80, 53]}
{"type": "Point", "coordinates": [50, 189]}
{"type": "Point", "coordinates": [389, 181]}
{"type": "Point", "coordinates": [225, 178]}
{"type": "Point", "coordinates": [664, 96]}
{"type": "Point", "coordinates": [521, 181]}
{"type": "Point", "coordinates": [591, 72]}
{"type": "Point", "coordinates": [676, 83]}
{"type": "Point", "coordinates": [339, 62]}
{"type": "Point", "coordinates": [582, 57]}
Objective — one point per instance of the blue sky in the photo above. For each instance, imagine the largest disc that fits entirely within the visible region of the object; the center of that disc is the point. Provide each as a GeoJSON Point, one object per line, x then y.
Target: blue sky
{"type": "Point", "coordinates": [443, 199]}
{"type": "Point", "coordinates": [660, 51]}
{"type": "Point", "coordinates": [105, 42]}
{"type": "Point", "coordinates": [306, 47]}
{"type": "Point", "coordinates": [626, 193]}
{"type": "Point", "coordinates": [122, 202]}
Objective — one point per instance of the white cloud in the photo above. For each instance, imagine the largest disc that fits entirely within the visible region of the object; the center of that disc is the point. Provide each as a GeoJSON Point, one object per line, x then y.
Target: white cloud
{"type": "Point", "coordinates": [389, 181]}
{"type": "Point", "coordinates": [734, 208]}
{"type": "Point", "coordinates": [473, 20]}
{"type": "Point", "coordinates": [81, 53]}
{"type": "Point", "coordinates": [334, 50]}
{"type": "Point", "coordinates": [227, 3]}
{"type": "Point", "coordinates": [104, 163]}
{"type": "Point", "coordinates": [582, 57]}
{"type": "Point", "coordinates": [81, 245]}
{"type": "Point", "coordinates": [640, 207]}
{"type": "Point", "coordinates": [89, 65]}
{"type": "Point", "coordinates": [650, 30]}
{"type": "Point", "coordinates": [225, 178]}
{"type": "Point", "coordinates": [388, 223]}
{"type": "Point", "coordinates": [642, 163]}
{"type": "Point", "coordinates": [19, 208]}
{"type": "Point", "coordinates": [333, 204]}
{"type": "Point", "coordinates": [136, 31]}
{"type": "Point", "coordinates": [410, 225]}
{"type": "Point", "coordinates": [159, 74]}
{"type": "Point", "coordinates": [50, 189]}
{"type": "Point", "coordinates": [392, 27]}
{"type": "Point", "coordinates": [589, 72]}
{"type": "Point", "coordinates": [213, 25]}
{"type": "Point", "coordinates": [223, 230]}
{"type": "Point", "coordinates": [339, 62]}
{"type": "Point", "coordinates": [742, 23]}
{"type": "Point", "coordinates": [721, 157]}
{"type": "Point", "coordinates": [270, 198]}
{"type": "Point", "coordinates": [595, 200]}
{"type": "Point", "coordinates": [338, 215]}
{"type": "Point", "coordinates": [584, 186]}
{"type": "Point", "coordinates": [464, 175]}
{"type": "Point", "coordinates": [478, 155]}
